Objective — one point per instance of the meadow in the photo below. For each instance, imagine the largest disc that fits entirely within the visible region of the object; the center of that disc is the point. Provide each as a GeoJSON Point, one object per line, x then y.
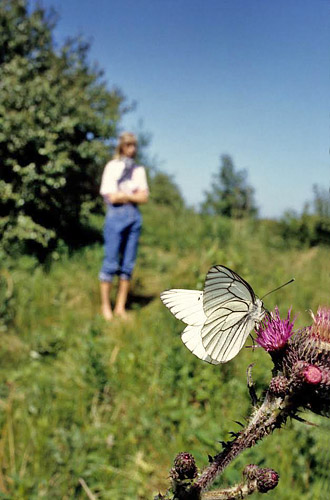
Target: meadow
{"type": "Point", "coordinates": [97, 410]}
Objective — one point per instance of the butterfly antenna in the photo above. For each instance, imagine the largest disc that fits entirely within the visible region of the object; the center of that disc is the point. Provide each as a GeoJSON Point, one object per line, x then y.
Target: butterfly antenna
{"type": "Point", "coordinates": [278, 288]}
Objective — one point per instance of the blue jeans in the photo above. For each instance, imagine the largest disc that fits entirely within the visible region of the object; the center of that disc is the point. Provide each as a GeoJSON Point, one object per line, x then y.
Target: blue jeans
{"type": "Point", "coordinates": [121, 236]}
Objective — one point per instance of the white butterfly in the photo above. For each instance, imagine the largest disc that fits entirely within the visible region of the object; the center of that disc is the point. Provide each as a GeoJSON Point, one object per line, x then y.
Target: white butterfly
{"type": "Point", "coordinates": [220, 318]}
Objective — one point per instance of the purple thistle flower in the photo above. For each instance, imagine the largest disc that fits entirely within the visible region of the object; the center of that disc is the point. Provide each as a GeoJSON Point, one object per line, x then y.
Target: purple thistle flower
{"type": "Point", "coordinates": [274, 332]}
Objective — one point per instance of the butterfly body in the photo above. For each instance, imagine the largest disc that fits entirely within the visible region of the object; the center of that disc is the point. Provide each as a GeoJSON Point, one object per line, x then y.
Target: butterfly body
{"type": "Point", "coordinates": [256, 310]}
{"type": "Point", "coordinates": [220, 318]}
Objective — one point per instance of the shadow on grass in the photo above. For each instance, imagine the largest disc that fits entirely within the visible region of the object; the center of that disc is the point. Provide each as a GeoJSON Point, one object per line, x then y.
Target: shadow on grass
{"type": "Point", "coordinates": [136, 301]}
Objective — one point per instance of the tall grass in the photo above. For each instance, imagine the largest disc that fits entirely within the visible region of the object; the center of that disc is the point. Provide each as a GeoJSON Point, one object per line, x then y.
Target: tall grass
{"type": "Point", "coordinates": [109, 405]}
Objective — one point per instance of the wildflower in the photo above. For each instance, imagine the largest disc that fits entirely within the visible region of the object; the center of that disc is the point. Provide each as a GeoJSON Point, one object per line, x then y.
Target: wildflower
{"type": "Point", "coordinates": [320, 329]}
{"type": "Point", "coordinates": [274, 333]}
{"type": "Point", "coordinates": [312, 344]}
{"type": "Point", "coordinates": [306, 363]}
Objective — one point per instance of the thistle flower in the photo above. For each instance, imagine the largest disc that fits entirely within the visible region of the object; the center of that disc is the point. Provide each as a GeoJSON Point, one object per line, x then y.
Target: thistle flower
{"type": "Point", "coordinates": [320, 329]}
{"type": "Point", "coordinates": [312, 344]}
{"type": "Point", "coordinates": [307, 364]}
{"type": "Point", "coordinates": [274, 332]}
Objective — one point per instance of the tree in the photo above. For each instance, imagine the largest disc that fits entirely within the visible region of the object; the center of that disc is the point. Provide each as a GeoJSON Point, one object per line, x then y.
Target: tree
{"type": "Point", "coordinates": [57, 121]}
{"type": "Point", "coordinates": [230, 195]}
{"type": "Point", "coordinates": [164, 191]}
{"type": "Point", "coordinates": [321, 202]}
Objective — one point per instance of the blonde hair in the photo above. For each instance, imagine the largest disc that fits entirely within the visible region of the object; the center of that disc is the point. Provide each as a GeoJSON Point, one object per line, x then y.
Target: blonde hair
{"type": "Point", "coordinates": [124, 138]}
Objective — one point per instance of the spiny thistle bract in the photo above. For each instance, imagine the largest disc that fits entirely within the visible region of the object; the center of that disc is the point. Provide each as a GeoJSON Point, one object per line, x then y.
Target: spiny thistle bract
{"type": "Point", "coordinates": [267, 479]}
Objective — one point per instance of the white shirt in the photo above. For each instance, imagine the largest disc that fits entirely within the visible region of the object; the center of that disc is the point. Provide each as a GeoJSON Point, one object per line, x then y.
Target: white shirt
{"type": "Point", "coordinates": [113, 172]}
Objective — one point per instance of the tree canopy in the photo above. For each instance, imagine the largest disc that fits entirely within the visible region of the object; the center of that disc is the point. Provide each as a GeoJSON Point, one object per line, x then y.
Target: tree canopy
{"type": "Point", "coordinates": [164, 191]}
{"type": "Point", "coordinates": [230, 194]}
{"type": "Point", "coordinates": [57, 123]}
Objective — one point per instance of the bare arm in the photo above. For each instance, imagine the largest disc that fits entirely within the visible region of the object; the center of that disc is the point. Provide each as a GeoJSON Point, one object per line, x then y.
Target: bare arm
{"type": "Point", "coordinates": [137, 197]}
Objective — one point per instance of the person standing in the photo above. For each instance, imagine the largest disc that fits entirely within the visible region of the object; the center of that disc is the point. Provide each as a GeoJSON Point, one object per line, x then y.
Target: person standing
{"type": "Point", "coordinates": [124, 186]}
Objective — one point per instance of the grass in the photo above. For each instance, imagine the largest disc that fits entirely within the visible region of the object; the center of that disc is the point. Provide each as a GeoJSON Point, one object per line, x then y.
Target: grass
{"type": "Point", "coordinates": [108, 406]}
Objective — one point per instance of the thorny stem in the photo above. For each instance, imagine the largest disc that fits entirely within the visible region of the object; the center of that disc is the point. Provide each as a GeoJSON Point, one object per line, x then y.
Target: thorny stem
{"type": "Point", "coordinates": [271, 415]}
{"type": "Point", "coordinates": [239, 491]}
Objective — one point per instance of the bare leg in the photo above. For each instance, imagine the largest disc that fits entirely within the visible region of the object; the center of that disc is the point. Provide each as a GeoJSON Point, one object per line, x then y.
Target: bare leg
{"type": "Point", "coordinates": [122, 294]}
{"type": "Point", "coordinates": [105, 289]}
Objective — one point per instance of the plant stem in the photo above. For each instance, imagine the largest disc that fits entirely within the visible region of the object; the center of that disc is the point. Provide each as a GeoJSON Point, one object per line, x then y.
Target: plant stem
{"type": "Point", "coordinates": [271, 415]}
{"type": "Point", "coordinates": [237, 492]}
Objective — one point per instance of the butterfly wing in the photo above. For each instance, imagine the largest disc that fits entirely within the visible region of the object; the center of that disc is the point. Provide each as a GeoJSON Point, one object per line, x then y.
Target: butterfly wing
{"type": "Point", "coordinates": [192, 339]}
{"type": "Point", "coordinates": [223, 284]}
{"type": "Point", "coordinates": [223, 339]}
{"type": "Point", "coordinates": [232, 310]}
{"type": "Point", "coordinates": [187, 305]}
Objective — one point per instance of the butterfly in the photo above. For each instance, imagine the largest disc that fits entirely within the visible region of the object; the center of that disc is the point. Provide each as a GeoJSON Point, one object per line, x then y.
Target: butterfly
{"type": "Point", "coordinates": [220, 318]}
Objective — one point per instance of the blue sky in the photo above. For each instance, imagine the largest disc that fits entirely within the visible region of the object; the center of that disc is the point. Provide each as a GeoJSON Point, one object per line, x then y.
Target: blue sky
{"type": "Point", "coordinates": [249, 78]}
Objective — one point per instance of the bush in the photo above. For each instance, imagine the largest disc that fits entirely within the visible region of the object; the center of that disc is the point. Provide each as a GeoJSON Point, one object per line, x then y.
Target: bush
{"type": "Point", "coordinates": [307, 230]}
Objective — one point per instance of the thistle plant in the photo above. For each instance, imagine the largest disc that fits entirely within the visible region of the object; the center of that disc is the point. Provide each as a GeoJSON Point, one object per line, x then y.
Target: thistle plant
{"type": "Point", "coordinates": [300, 380]}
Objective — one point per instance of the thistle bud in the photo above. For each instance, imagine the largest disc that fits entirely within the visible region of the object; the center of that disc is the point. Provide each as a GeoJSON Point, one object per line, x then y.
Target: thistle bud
{"type": "Point", "coordinates": [250, 471]}
{"type": "Point", "coordinates": [306, 373]}
{"type": "Point", "coordinates": [185, 466]}
{"type": "Point", "coordinates": [267, 480]}
{"type": "Point", "coordinates": [312, 375]}
{"type": "Point", "coordinates": [278, 385]}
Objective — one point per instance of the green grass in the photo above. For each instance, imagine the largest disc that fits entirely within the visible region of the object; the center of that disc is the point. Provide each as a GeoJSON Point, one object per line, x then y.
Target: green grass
{"type": "Point", "coordinates": [112, 404]}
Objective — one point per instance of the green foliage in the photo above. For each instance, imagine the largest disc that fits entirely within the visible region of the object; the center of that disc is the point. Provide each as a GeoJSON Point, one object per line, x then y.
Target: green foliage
{"type": "Point", "coordinates": [113, 404]}
{"type": "Point", "coordinates": [321, 202]}
{"type": "Point", "coordinates": [306, 229]}
{"type": "Point", "coordinates": [311, 227]}
{"type": "Point", "coordinates": [230, 194]}
{"type": "Point", "coordinates": [182, 228]}
{"type": "Point", "coordinates": [6, 300]}
{"type": "Point", "coordinates": [57, 118]}
{"type": "Point", "coordinates": [164, 191]}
